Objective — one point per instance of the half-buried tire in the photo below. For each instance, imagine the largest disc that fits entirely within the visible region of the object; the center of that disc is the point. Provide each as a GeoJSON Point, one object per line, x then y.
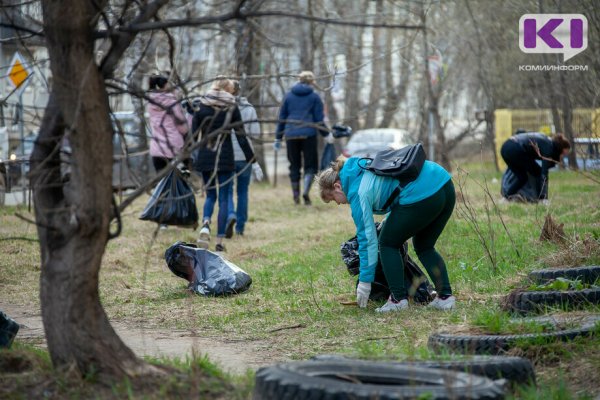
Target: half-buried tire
{"type": "Point", "coordinates": [589, 274]}
{"type": "Point", "coordinates": [516, 370]}
{"type": "Point", "coordinates": [498, 344]}
{"type": "Point", "coordinates": [364, 380]}
{"type": "Point", "coordinates": [524, 302]}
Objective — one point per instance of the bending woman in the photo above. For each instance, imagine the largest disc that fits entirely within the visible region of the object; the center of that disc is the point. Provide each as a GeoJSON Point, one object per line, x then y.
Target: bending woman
{"type": "Point", "coordinates": [420, 210]}
{"type": "Point", "coordinates": [520, 153]}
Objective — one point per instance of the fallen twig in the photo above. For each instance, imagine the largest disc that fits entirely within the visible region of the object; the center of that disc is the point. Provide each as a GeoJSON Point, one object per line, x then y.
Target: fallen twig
{"type": "Point", "coordinates": [297, 326]}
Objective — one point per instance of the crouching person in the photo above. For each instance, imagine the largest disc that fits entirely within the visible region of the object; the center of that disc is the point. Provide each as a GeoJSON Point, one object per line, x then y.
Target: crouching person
{"type": "Point", "coordinates": [419, 210]}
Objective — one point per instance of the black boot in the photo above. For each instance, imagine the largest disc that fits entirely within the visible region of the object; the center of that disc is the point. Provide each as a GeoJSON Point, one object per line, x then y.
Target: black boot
{"type": "Point", "coordinates": [308, 181]}
{"type": "Point", "coordinates": [296, 191]}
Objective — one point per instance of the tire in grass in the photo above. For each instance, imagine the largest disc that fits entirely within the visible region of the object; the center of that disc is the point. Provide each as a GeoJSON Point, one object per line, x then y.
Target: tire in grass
{"type": "Point", "coordinates": [516, 370]}
{"type": "Point", "coordinates": [534, 301]}
{"type": "Point", "coordinates": [364, 380]}
{"type": "Point", "coordinates": [589, 274]}
{"type": "Point", "coordinates": [498, 344]}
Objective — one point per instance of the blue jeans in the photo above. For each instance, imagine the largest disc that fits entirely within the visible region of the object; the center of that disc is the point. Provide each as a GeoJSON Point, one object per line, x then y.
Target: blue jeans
{"type": "Point", "coordinates": [223, 185]}
{"type": "Point", "coordinates": [243, 172]}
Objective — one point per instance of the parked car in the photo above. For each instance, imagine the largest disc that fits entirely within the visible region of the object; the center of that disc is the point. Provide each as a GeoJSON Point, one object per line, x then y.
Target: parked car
{"type": "Point", "coordinates": [132, 165]}
{"type": "Point", "coordinates": [367, 142]}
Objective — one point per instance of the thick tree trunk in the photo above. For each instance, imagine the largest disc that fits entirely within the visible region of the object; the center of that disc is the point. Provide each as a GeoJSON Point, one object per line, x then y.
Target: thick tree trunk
{"type": "Point", "coordinates": [73, 217]}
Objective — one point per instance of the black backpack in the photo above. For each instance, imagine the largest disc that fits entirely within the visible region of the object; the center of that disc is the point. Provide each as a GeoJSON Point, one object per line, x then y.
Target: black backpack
{"type": "Point", "coordinates": [404, 164]}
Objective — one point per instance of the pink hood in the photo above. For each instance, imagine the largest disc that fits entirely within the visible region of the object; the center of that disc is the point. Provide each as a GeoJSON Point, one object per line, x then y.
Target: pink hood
{"type": "Point", "coordinates": [168, 124]}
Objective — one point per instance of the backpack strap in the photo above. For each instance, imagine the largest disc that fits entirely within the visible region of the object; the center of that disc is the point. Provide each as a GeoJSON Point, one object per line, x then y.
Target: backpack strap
{"type": "Point", "coordinates": [392, 197]}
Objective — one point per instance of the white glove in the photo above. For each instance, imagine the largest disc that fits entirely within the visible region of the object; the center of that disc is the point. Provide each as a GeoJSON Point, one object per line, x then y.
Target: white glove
{"type": "Point", "coordinates": [329, 138]}
{"type": "Point", "coordinates": [258, 172]}
{"type": "Point", "coordinates": [363, 290]}
{"type": "Point", "coordinates": [277, 145]}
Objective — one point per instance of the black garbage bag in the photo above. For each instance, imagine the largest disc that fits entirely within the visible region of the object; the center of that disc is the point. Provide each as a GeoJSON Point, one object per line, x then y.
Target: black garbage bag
{"type": "Point", "coordinates": [328, 156]}
{"type": "Point", "coordinates": [8, 330]}
{"type": "Point", "coordinates": [530, 192]}
{"type": "Point", "coordinates": [208, 273]}
{"type": "Point", "coordinates": [172, 202]}
{"type": "Point", "coordinates": [418, 286]}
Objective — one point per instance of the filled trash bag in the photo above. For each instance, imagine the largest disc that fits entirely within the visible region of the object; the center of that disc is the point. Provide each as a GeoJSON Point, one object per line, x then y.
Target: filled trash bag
{"type": "Point", "coordinates": [8, 330]}
{"type": "Point", "coordinates": [172, 202]}
{"type": "Point", "coordinates": [208, 273]}
{"type": "Point", "coordinates": [328, 156]}
{"type": "Point", "coordinates": [417, 284]}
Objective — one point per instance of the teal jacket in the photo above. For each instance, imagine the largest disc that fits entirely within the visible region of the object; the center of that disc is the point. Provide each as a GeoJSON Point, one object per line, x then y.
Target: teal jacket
{"type": "Point", "coordinates": [367, 193]}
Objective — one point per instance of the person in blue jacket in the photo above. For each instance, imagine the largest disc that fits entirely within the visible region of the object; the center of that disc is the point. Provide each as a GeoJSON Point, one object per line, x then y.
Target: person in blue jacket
{"type": "Point", "coordinates": [300, 118]}
{"type": "Point", "coordinates": [420, 210]}
{"type": "Point", "coordinates": [520, 153]}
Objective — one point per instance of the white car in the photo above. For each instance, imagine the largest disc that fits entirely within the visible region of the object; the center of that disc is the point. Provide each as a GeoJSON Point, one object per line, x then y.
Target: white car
{"type": "Point", "coordinates": [367, 142]}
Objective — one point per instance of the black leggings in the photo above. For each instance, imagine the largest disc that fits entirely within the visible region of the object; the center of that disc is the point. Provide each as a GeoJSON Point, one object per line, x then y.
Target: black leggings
{"type": "Point", "coordinates": [299, 150]}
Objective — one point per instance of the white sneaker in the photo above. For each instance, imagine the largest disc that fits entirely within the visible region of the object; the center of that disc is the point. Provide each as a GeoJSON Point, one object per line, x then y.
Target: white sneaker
{"type": "Point", "coordinates": [163, 227]}
{"type": "Point", "coordinates": [447, 304]}
{"type": "Point", "coordinates": [205, 233]}
{"type": "Point", "coordinates": [392, 306]}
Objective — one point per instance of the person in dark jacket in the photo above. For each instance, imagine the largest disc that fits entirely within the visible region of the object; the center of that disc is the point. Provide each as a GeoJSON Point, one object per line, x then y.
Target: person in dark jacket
{"type": "Point", "coordinates": [217, 115]}
{"type": "Point", "coordinates": [520, 153]}
{"type": "Point", "coordinates": [300, 118]}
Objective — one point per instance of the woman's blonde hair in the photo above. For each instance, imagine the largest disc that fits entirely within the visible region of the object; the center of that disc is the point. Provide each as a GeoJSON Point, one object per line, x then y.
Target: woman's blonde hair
{"type": "Point", "coordinates": [329, 176]}
{"type": "Point", "coordinates": [222, 83]}
{"type": "Point", "coordinates": [306, 77]}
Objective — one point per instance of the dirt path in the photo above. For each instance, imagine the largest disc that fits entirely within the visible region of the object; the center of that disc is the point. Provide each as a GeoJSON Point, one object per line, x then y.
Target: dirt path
{"type": "Point", "coordinates": [235, 357]}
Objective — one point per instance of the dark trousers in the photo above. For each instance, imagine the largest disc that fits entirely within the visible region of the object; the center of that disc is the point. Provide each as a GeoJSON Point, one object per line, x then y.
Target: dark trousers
{"type": "Point", "coordinates": [299, 151]}
{"type": "Point", "coordinates": [424, 221]}
{"type": "Point", "coordinates": [520, 163]}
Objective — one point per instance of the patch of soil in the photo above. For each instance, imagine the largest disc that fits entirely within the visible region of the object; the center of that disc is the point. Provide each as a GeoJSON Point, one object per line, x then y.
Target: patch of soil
{"type": "Point", "coordinates": [14, 362]}
{"type": "Point", "coordinates": [235, 357]}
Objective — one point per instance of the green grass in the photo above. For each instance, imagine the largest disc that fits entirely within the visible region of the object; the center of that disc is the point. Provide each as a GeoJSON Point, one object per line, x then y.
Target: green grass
{"type": "Point", "coordinates": [292, 254]}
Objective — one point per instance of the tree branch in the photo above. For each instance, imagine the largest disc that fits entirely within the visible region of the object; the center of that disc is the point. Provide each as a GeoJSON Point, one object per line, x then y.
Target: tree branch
{"type": "Point", "coordinates": [238, 14]}
{"type": "Point", "coordinates": [123, 38]}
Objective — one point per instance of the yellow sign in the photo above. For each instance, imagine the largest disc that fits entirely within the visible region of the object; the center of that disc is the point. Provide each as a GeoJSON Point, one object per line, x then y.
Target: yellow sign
{"type": "Point", "coordinates": [18, 72]}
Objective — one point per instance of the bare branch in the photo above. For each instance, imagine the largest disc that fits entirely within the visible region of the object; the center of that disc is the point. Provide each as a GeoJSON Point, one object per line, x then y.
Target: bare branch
{"type": "Point", "coordinates": [237, 14]}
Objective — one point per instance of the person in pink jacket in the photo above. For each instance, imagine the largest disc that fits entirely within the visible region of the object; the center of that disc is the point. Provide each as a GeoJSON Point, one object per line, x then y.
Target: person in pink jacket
{"type": "Point", "coordinates": [167, 122]}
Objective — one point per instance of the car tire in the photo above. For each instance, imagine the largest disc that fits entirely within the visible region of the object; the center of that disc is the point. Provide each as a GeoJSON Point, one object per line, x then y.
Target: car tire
{"type": "Point", "coordinates": [363, 380]}
{"type": "Point", "coordinates": [516, 370]}
{"type": "Point", "coordinates": [498, 344]}
{"type": "Point", "coordinates": [524, 302]}
{"type": "Point", "coordinates": [588, 274]}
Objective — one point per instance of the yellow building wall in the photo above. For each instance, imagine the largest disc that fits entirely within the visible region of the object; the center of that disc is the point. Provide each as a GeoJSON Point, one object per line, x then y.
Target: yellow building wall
{"type": "Point", "coordinates": [504, 130]}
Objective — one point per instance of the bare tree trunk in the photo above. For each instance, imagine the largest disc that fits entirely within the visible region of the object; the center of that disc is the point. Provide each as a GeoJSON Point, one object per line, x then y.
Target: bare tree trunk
{"type": "Point", "coordinates": [433, 117]}
{"type": "Point", "coordinates": [567, 109]}
{"type": "Point", "coordinates": [307, 53]}
{"type": "Point", "coordinates": [394, 95]}
{"type": "Point", "coordinates": [248, 49]}
{"type": "Point", "coordinates": [354, 47]}
{"type": "Point", "coordinates": [73, 218]}
{"type": "Point", "coordinates": [376, 71]}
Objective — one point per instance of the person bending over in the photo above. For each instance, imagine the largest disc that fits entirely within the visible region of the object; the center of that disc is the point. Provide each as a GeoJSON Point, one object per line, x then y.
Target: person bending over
{"type": "Point", "coordinates": [520, 153]}
{"type": "Point", "coordinates": [420, 210]}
